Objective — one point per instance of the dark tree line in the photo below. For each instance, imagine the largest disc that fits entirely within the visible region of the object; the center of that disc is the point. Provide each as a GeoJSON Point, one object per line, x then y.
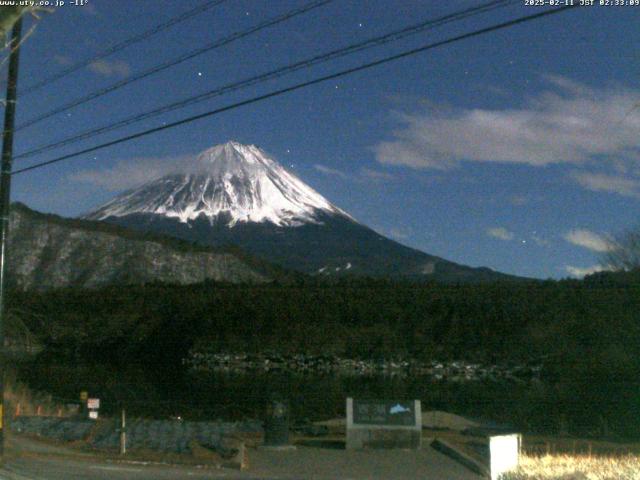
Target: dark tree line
{"type": "Point", "coordinates": [598, 318]}
{"type": "Point", "coordinates": [586, 333]}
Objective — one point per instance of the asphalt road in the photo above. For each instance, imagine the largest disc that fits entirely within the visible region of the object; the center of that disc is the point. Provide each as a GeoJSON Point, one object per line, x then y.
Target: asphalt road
{"type": "Point", "coordinates": [65, 469]}
{"type": "Point", "coordinates": [33, 460]}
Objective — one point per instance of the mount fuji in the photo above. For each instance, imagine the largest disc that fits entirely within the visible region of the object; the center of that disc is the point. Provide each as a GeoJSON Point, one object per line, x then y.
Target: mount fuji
{"type": "Point", "coordinates": [236, 194]}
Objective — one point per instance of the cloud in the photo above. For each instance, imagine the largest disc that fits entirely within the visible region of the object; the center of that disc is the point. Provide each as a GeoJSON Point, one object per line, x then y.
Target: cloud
{"type": "Point", "coordinates": [363, 175]}
{"type": "Point", "coordinates": [580, 272]}
{"type": "Point", "coordinates": [62, 60]}
{"type": "Point", "coordinates": [400, 233]}
{"type": "Point", "coordinates": [540, 241]}
{"type": "Point", "coordinates": [110, 68]}
{"type": "Point", "coordinates": [376, 174]}
{"type": "Point", "coordinates": [519, 200]}
{"type": "Point", "coordinates": [589, 240]}
{"type": "Point", "coordinates": [89, 8]}
{"type": "Point", "coordinates": [330, 171]}
{"type": "Point", "coordinates": [568, 124]}
{"type": "Point", "coordinates": [600, 182]}
{"type": "Point", "coordinates": [500, 233]}
{"type": "Point", "coordinates": [126, 174]}
{"type": "Point", "coordinates": [502, 92]}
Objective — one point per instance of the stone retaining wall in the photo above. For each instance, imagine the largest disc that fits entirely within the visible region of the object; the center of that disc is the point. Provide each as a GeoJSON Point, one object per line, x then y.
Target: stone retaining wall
{"type": "Point", "coordinates": [64, 429]}
{"type": "Point", "coordinates": [159, 435]}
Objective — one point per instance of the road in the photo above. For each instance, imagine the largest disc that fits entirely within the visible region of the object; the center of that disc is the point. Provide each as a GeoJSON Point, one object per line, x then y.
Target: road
{"type": "Point", "coordinates": [33, 460]}
{"type": "Point", "coordinates": [32, 468]}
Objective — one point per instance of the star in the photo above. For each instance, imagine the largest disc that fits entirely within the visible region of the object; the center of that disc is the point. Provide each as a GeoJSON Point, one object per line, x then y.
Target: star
{"type": "Point", "coordinates": [199, 74]}
{"type": "Point", "coordinates": [288, 151]}
{"type": "Point", "coordinates": [360, 25]}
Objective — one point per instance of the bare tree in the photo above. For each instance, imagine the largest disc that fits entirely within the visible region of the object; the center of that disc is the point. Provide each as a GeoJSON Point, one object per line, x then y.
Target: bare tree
{"type": "Point", "coordinates": [8, 16]}
{"type": "Point", "coordinates": [625, 251]}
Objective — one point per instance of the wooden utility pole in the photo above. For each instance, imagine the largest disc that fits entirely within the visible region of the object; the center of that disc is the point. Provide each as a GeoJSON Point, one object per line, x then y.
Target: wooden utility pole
{"type": "Point", "coordinates": [5, 198]}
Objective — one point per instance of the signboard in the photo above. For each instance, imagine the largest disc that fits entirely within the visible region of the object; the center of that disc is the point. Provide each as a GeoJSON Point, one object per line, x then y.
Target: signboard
{"type": "Point", "coordinates": [371, 412]}
{"type": "Point", "coordinates": [504, 452]}
{"type": "Point", "coordinates": [93, 414]}
{"type": "Point", "coordinates": [84, 395]}
{"type": "Point", "coordinates": [93, 403]}
{"type": "Point", "coordinates": [383, 423]}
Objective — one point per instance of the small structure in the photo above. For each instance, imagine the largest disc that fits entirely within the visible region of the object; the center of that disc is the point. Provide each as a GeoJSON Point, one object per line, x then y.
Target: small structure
{"type": "Point", "coordinates": [490, 456]}
{"type": "Point", "coordinates": [276, 426]}
{"type": "Point", "coordinates": [504, 453]}
{"type": "Point", "coordinates": [384, 424]}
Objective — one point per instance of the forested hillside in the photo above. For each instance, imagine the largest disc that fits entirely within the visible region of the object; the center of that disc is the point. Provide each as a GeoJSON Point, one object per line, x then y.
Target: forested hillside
{"type": "Point", "coordinates": [595, 321]}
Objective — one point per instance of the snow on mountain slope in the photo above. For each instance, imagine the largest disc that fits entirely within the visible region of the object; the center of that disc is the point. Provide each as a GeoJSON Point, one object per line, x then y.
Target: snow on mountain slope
{"type": "Point", "coordinates": [237, 180]}
{"type": "Point", "coordinates": [234, 194]}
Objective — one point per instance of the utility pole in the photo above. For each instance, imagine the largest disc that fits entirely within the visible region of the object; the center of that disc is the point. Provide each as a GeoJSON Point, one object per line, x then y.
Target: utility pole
{"type": "Point", "coordinates": [5, 198]}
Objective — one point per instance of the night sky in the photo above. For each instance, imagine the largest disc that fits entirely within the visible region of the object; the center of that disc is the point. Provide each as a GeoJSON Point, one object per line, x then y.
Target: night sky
{"type": "Point", "coordinates": [518, 150]}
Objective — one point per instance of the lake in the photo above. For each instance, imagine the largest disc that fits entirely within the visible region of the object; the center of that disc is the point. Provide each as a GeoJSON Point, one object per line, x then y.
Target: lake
{"type": "Point", "coordinates": [161, 393]}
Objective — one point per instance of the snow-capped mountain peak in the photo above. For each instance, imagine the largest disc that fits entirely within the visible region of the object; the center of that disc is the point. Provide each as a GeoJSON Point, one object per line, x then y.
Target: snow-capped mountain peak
{"type": "Point", "coordinates": [239, 182]}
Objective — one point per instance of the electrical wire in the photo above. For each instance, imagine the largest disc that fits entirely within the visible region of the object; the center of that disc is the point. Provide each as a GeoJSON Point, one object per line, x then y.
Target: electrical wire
{"type": "Point", "coordinates": [277, 73]}
{"type": "Point", "coordinates": [122, 45]}
{"type": "Point", "coordinates": [299, 86]}
{"type": "Point", "coordinates": [183, 58]}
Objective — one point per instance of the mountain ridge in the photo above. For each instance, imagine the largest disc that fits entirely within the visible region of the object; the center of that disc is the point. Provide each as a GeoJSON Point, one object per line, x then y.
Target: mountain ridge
{"type": "Point", "coordinates": [56, 252]}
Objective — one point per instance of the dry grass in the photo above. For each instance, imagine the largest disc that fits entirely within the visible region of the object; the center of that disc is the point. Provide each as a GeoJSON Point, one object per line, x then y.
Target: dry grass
{"type": "Point", "coordinates": [577, 467]}
{"type": "Point", "coordinates": [19, 399]}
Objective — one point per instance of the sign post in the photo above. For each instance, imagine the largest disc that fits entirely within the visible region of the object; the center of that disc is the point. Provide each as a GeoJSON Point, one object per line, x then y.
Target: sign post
{"type": "Point", "coordinates": [93, 405]}
{"type": "Point", "coordinates": [123, 434]}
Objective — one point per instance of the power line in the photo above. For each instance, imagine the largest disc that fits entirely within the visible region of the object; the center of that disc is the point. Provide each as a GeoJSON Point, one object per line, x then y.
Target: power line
{"type": "Point", "coordinates": [122, 45]}
{"type": "Point", "coordinates": [277, 73]}
{"type": "Point", "coordinates": [299, 86]}
{"type": "Point", "coordinates": [187, 56]}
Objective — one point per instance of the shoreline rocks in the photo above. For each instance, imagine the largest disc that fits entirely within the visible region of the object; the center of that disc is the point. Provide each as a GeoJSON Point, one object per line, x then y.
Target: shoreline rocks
{"type": "Point", "coordinates": [455, 371]}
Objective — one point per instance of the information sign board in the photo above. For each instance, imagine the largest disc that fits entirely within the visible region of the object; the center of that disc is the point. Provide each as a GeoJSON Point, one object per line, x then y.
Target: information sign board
{"type": "Point", "coordinates": [383, 423]}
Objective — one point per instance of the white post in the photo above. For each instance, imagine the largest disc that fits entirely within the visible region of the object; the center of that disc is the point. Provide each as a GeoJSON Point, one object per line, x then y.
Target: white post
{"type": "Point", "coordinates": [123, 434]}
